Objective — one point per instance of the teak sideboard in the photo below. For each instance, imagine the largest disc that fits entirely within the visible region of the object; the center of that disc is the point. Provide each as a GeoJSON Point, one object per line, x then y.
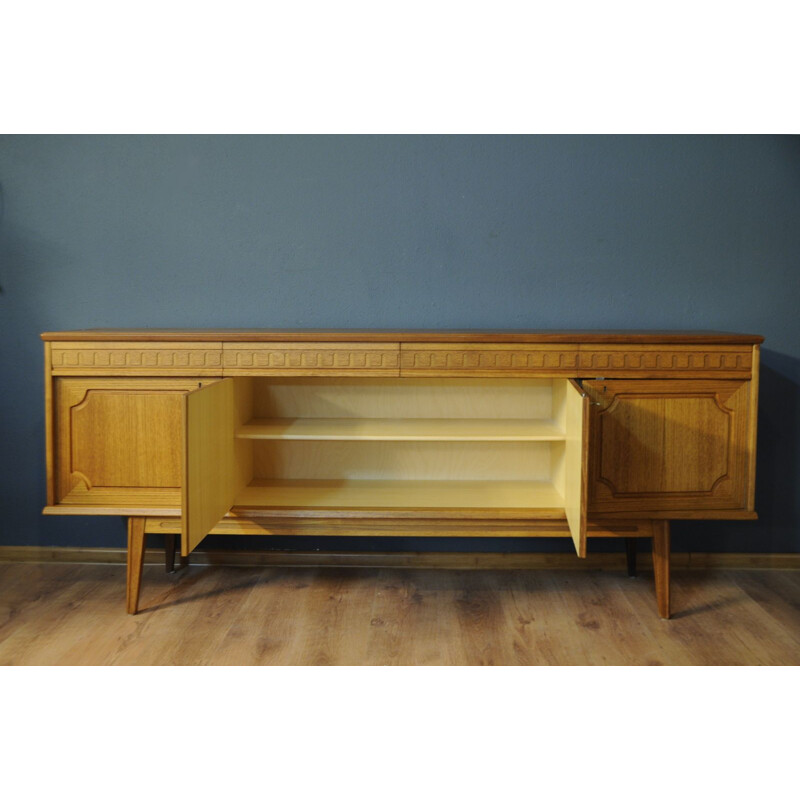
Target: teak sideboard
{"type": "Point", "coordinates": [401, 433]}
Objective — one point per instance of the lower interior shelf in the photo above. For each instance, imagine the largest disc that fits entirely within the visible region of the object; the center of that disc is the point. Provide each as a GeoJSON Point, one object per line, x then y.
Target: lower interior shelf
{"type": "Point", "coordinates": [399, 494]}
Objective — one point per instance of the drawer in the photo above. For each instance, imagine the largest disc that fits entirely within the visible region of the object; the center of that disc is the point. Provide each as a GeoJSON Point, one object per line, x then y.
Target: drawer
{"type": "Point", "coordinates": [311, 358]}
{"type": "Point", "coordinates": [138, 358]}
{"type": "Point", "coordinates": [575, 360]}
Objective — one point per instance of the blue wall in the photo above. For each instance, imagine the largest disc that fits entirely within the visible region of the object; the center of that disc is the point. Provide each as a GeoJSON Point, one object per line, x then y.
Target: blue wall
{"type": "Point", "coordinates": [435, 232]}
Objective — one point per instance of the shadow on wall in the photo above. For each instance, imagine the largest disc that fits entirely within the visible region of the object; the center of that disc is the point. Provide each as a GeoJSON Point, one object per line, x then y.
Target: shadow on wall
{"type": "Point", "coordinates": [777, 473]}
{"type": "Point", "coordinates": [2, 215]}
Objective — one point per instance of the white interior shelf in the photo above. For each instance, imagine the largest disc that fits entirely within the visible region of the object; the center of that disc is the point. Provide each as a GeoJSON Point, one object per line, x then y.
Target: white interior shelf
{"type": "Point", "coordinates": [266, 494]}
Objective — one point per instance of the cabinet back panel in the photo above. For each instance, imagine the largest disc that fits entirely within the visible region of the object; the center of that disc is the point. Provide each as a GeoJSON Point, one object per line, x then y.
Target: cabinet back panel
{"type": "Point", "coordinates": [380, 460]}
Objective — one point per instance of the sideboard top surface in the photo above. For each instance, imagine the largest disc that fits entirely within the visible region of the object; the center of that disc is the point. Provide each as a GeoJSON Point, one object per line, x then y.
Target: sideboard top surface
{"type": "Point", "coordinates": [355, 335]}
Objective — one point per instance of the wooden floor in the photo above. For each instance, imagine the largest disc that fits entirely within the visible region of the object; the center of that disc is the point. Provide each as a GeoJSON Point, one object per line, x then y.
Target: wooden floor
{"type": "Point", "coordinates": [75, 614]}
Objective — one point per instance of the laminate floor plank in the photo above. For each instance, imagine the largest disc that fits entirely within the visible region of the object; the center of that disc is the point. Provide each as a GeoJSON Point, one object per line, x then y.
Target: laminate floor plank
{"type": "Point", "coordinates": [777, 593]}
{"type": "Point", "coordinates": [432, 631]}
{"type": "Point", "coordinates": [532, 618]}
{"type": "Point", "coordinates": [416, 619]}
{"type": "Point", "coordinates": [652, 640]}
{"type": "Point", "coordinates": [57, 614]}
{"type": "Point", "coordinates": [396, 609]}
{"type": "Point", "coordinates": [15, 595]}
{"type": "Point", "coordinates": [606, 630]}
{"type": "Point", "coordinates": [264, 630]}
{"type": "Point", "coordinates": [169, 627]}
{"type": "Point", "coordinates": [53, 595]}
{"type": "Point", "coordinates": [590, 619]}
{"type": "Point", "coordinates": [545, 630]}
{"type": "Point", "coordinates": [749, 633]}
{"type": "Point", "coordinates": [205, 617]}
{"type": "Point", "coordinates": [715, 623]}
{"type": "Point", "coordinates": [73, 642]}
{"type": "Point", "coordinates": [332, 622]}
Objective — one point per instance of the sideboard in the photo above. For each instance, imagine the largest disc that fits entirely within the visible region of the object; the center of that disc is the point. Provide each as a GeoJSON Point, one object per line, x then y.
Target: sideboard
{"type": "Point", "coordinates": [576, 434]}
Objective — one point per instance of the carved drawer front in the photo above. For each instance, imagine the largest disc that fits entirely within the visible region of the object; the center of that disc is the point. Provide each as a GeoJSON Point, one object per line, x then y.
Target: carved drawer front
{"type": "Point", "coordinates": [312, 358]}
{"type": "Point", "coordinates": [669, 445]}
{"type": "Point", "coordinates": [118, 441]}
{"type": "Point", "coordinates": [136, 358]}
{"type": "Point", "coordinates": [577, 360]}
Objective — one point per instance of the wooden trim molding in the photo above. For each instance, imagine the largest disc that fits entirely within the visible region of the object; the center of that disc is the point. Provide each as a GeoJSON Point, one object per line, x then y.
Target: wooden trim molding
{"type": "Point", "coordinates": [578, 360]}
{"type": "Point", "coordinates": [142, 358]}
{"type": "Point", "coordinates": [292, 358]}
{"type": "Point", "coordinates": [411, 560]}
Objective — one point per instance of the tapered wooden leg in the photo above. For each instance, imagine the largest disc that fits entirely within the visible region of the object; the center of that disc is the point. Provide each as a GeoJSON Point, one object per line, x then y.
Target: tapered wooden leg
{"type": "Point", "coordinates": [135, 561]}
{"type": "Point", "coordinates": [661, 565]}
{"type": "Point", "coordinates": [169, 551]}
{"type": "Point", "coordinates": [630, 555]}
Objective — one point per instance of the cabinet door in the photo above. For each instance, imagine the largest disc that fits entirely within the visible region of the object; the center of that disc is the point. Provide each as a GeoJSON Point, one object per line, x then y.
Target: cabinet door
{"type": "Point", "coordinates": [210, 471]}
{"type": "Point", "coordinates": [117, 443]}
{"type": "Point", "coordinates": [670, 446]}
{"type": "Point", "coordinates": [576, 484]}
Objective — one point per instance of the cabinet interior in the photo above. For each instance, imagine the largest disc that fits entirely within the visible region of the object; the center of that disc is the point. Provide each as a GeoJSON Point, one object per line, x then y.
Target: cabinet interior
{"type": "Point", "coordinates": [391, 443]}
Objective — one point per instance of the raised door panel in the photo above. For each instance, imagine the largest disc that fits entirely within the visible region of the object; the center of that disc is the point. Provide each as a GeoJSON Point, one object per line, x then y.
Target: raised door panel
{"type": "Point", "coordinates": [118, 443]}
{"type": "Point", "coordinates": [576, 455]}
{"type": "Point", "coordinates": [669, 446]}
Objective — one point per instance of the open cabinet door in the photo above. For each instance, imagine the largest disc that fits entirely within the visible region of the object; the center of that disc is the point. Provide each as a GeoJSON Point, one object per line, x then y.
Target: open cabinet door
{"type": "Point", "coordinates": [576, 457]}
{"type": "Point", "coordinates": [210, 481]}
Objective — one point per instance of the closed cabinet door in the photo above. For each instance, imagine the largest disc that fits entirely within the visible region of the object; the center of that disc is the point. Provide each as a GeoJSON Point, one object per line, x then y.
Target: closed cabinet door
{"type": "Point", "coordinates": [671, 446]}
{"type": "Point", "coordinates": [117, 442]}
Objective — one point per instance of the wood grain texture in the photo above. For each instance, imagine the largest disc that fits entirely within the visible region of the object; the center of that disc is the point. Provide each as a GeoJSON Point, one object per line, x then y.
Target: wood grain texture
{"type": "Point", "coordinates": [752, 430]}
{"type": "Point", "coordinates": [143, 358]}
{"type": "Point", "coordinates": [127, 438]}
{"type": "Point", "coordinates": [294, 358]}
{"type": "Point", "coordinates": [491, 523]}
{"type": "Point", "coordinates": [669, 445]}
{"type": "Point", "coordinates": [575, 360]}
{"type": "Point", "coordinates": [576, 456]}
{"type": "Point", "coordinates": [68, 614]}
{"type": "Point", "coordinates": [399, 335]}
{"type": "Point", "coordinates": [136, 548]}
{"type": "Point", "coordinates": [661, 567]}
{"type": "Point", "coordinates": [117, 442]}
{"type": "Point", "coordinates": [210, 476]}
{"type": "Point", "coordinates": [684, 513]}
{"type": "Point", "coordinates": [165, 502]}
{"type": "Point", "coordinates": [49, 427]}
